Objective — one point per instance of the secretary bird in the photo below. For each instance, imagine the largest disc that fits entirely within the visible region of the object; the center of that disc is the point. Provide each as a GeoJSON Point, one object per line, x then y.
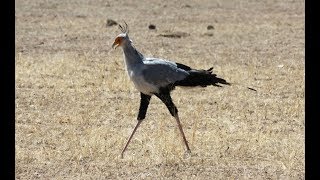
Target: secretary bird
{"type": "Point", "coordinates": [153, 76]}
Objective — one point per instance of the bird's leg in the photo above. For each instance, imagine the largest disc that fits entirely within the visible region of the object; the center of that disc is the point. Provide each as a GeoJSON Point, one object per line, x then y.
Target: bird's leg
{"type": "Point", "coordinates": [166, 99]}
{"type": "Point", "coordinates": [144, 102]}
{"type": "Point", "coordinates": [134, 130]}
{"type": "Point", "coordinates": [182, 133]}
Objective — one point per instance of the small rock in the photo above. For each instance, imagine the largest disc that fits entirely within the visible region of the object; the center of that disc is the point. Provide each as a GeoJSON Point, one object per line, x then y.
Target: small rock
{"type": "Point", "coordinates": [186, 6]}
{"type": "Point", "coordinates": [111, 22]}
{"type": "Point", "coordinates": [81, 16]}
{"type": "Point", "coordinates": [151, 26]}
{"type": "Point", "coordinates": [175, 35]}
{"type": "Point", "coordinates": [208, 34]}
{"type": "Point", "coordinates": [210, 27]}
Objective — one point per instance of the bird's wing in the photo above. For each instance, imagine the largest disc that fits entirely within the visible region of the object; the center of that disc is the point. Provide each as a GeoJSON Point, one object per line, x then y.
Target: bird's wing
{"type": "Point", "coordinates": [161, 72]}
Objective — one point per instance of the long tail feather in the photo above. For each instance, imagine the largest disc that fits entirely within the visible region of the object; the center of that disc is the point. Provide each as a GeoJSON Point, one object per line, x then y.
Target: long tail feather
{"type": "Point", "coordinates": [202, 78]}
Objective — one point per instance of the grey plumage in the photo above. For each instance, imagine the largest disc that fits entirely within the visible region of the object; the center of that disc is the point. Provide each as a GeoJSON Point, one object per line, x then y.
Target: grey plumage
{"type": "Point", "coordinates": [151, 74]}
{"type": "Point", "coordinates": [162, 73]}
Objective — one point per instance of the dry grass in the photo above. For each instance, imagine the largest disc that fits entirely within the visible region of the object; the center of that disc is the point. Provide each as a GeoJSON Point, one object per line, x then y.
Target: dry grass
{"type": "Point", "coordinates": [75, 106]}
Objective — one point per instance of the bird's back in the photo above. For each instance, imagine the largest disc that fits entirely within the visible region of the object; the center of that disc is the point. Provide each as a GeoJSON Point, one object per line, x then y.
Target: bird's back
{"type": "Point", "coordinates": [162, 72]}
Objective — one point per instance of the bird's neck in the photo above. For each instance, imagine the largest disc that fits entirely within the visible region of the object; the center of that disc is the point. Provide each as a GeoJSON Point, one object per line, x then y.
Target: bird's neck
{"type": "Point", "coordinates": [131, 55]}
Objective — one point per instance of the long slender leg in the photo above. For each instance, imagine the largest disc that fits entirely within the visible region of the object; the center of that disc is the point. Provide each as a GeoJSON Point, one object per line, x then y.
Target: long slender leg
{"type": "Point", "coordinates": [144, 102]}
{"type": "Point", "coordinates": [166, 99]}
{"type": "Point", "coordinates": [134, 130]}
{"type": "Point", "coordinates": [181, 131]}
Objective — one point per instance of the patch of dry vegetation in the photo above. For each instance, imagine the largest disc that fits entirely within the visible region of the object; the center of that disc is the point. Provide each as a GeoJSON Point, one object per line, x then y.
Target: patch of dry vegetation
{"type": "Point", "coordinates": [75, 106]}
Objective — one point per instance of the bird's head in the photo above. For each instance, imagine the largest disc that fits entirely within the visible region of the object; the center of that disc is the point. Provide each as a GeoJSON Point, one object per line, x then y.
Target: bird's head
{"type": "Point", "coordinates": [122, 38]}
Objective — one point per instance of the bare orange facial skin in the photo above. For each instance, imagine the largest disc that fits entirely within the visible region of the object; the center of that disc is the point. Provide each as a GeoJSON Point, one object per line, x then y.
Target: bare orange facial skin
{"type": "Point", "coordinates": [117, 42]}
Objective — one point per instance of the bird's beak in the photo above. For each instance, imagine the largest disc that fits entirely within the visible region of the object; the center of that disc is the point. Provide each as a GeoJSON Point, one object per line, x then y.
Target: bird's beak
{"type": "Point", "coordinates": [115, 45]}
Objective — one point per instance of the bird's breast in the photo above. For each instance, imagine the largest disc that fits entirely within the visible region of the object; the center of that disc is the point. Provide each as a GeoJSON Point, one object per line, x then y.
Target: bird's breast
{"type": "Point", "coordinates": [140, 83]}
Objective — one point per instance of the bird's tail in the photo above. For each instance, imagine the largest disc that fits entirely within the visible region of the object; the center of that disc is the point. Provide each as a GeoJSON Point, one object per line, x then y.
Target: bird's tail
{"type": "Point", "coordinates": [201, 78]}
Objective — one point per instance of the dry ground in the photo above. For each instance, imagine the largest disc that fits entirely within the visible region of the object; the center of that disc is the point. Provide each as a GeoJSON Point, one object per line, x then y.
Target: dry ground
{"type": "Point", "coordinates": [75, 106]}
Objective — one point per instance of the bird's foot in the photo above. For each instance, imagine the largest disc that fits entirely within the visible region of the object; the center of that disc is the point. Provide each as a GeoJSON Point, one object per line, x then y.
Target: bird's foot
{"type": "Point", "coordinates": [187, 154]}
